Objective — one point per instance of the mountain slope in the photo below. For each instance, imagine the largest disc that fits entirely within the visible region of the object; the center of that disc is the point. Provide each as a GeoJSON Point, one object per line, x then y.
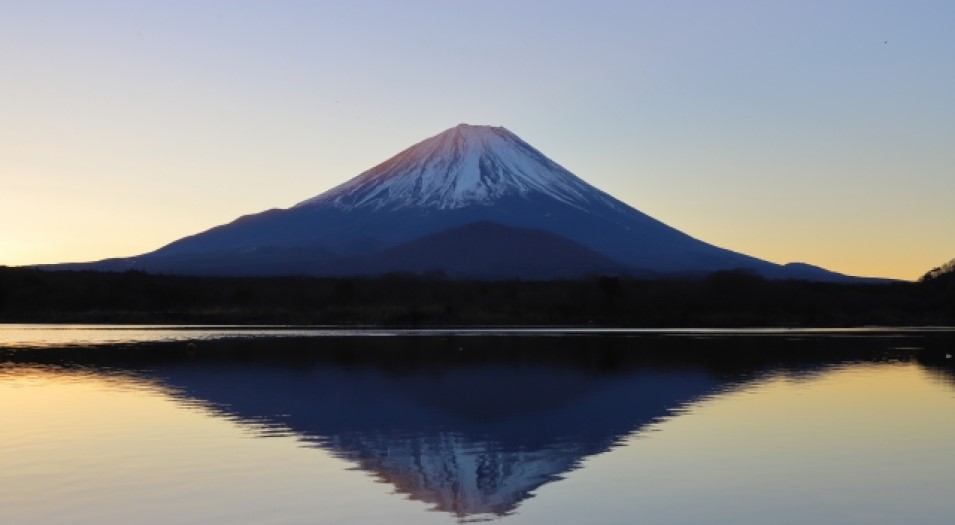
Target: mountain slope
{"type": "Point", "coordinates": [488, 250]}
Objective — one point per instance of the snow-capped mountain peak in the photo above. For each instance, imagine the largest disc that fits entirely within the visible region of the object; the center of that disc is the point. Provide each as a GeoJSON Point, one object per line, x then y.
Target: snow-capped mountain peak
{"type": "Point", "coordinates": [469, 190]}
{"type": "Point", "coordinates": [462, 166]}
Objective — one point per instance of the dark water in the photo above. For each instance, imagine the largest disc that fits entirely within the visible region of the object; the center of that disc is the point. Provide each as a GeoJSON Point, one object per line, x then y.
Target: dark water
{"type": "Point", "coordinates": [331, 427]}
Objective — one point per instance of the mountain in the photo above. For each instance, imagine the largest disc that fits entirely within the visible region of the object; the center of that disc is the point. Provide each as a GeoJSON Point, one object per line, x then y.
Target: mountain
{"type": "Point", "coordinates": [467, 175]}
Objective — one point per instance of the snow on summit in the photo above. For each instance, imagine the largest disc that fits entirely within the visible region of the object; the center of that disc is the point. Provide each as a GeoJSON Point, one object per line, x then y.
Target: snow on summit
{"type": "Point", "coordinates": [462, 166]}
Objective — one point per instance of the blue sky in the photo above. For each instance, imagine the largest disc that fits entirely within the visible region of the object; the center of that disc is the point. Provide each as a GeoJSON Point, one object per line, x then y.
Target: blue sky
{"type": "Point", "coordinates": [792, 131]}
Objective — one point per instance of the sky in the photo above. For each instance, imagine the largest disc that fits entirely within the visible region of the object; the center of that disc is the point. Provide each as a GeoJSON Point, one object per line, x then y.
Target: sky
{"type": "Point", "coordinates": [812, 131]}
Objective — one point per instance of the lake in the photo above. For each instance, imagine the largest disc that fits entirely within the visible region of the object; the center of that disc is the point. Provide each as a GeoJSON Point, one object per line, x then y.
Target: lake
{"type": "Point", "coordinates": [279, 425]}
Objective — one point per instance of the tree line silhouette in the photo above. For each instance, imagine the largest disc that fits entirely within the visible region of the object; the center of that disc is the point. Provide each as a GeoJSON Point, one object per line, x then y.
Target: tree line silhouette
{"type": "Point", "coordinates": [721, 299]}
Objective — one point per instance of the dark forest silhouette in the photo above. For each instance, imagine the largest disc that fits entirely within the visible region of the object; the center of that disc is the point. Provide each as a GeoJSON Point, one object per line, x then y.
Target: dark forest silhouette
{"type": "Point", "coordinates": [726, 298]}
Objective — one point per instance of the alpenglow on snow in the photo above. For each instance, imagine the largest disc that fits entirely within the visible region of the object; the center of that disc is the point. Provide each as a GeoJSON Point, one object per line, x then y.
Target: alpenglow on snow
{"type": "Point", "coordinates": [465, 165]}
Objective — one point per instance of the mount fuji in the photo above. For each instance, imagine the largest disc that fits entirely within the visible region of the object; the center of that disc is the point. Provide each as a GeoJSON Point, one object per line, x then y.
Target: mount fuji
{"type": "Point", "coordinates": [472, 202]}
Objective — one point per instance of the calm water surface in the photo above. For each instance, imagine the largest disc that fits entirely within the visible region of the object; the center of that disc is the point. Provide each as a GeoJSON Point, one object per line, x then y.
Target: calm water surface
{"type": "Point", "coordinates": [14, 336]}
{"type": "Point", "coordinates": [612, 428]}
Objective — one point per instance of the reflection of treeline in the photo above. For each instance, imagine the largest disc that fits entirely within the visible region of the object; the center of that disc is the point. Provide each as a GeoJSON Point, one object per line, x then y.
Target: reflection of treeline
{"type": "Point", "coordinates": [720, 299]}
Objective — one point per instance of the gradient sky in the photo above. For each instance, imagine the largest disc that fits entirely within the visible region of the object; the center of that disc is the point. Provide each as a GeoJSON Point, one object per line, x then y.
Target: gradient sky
{"type": "Point", "coordinates": [821, 132]}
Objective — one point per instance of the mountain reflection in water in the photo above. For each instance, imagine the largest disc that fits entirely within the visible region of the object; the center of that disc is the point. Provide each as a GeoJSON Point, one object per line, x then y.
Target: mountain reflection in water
{"type": "Point", "coordinates": [473, 440]}
{"type": "Point", "coordinates": [470, 426]}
